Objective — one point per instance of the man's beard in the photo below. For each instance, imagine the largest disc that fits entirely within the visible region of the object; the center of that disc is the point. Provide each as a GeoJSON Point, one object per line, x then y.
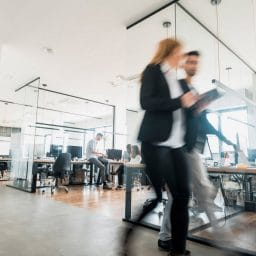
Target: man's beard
{"type": "Point", "coordinates": [191, 73]}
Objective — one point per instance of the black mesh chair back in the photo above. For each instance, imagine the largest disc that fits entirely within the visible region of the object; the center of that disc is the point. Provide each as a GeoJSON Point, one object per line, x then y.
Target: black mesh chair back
{"type": "Point", "coordinates": [3, 166]}
{"type": "Point", "coordinates": [62, 165]}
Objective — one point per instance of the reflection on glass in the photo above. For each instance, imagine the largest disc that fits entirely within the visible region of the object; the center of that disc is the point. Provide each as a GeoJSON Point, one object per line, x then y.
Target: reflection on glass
{"type": "Point", "coordinates": [67, 122]}
{"type": "Point", "coordinates": [234, 125]}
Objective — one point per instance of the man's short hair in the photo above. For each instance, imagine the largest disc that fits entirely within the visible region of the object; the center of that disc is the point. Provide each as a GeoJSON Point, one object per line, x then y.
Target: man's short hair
{"type": "Point", "coordinates": [193, 53]}
{"type": "Point", "coordinates": [99, 134]}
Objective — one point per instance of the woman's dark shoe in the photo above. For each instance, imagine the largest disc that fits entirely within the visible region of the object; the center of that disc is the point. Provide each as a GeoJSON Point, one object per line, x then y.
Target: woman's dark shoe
{"type": "Point", "coordinates": [165, 245]}
{"type": "Point", "coordinates": [107, 186]}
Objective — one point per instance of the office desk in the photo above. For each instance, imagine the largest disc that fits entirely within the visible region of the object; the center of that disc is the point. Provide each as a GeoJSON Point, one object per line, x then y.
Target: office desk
{"type": "Point", "coordinates": [5, 159]}
{"type": "Point", "coordinates": [36, 162]}
{"type": "Point", "coordinates": [232, 170]}
{"type": "Point", "coordinates": [130, 169]}
{"type": "Point", "coordinates": [247, 172]}
{"type": "Point", "coordinates": [113, 164]}
{"type": "Point", "coordinates": [51, 161]}
{"type": "Point", "coordinates": [115, 161]}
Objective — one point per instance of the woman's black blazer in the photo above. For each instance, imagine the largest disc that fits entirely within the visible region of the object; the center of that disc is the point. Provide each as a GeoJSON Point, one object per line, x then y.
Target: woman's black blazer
{"type": "Point", "coordinates": [155, 98]}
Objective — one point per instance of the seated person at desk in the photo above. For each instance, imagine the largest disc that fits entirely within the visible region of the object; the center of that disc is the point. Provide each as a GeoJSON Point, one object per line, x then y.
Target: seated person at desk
{"type": "Point", "coordinates": [98, 159]}
{"type": "Point", "coordinates": [127, 153]}
{"type": "Point", "coordinates": [135, 158]}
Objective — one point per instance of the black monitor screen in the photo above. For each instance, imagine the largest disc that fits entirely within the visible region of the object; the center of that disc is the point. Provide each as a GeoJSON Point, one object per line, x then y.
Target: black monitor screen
{"type": "Point", "coordinates": [55, 150]}
{"type": "Point", "coordinates": [114, 154]}
{"type": "Point", "coordinates": [251, 155]}
{"type": "Point", "coordinates": [75, 151]}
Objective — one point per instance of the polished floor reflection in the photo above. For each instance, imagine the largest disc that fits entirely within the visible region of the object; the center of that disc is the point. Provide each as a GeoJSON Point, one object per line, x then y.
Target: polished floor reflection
{"type": "Point", "coordinates": [34, 225]}
{"type": "Point", "coordinates": [239, 231]}
{"type": "Point", "coordinates": [111, 205]}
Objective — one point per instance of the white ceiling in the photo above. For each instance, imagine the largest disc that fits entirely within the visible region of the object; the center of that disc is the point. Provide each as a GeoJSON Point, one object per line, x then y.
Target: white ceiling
{"type": "Point", "coordinates": [87, 37]}
{"type": "Point", "coordinates": [91, 45]}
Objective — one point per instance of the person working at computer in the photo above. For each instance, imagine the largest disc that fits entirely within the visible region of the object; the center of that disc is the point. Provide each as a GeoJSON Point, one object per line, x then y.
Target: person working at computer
{"type": "Point", "coordinates": [135, 158]}
{"type": "Point", "coordinates": [201, 186]}
{"type": "Point", "coordinates": [97, 158]}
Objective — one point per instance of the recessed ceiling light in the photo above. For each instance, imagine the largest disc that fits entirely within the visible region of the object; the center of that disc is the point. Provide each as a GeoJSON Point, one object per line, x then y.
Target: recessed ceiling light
{"type": "Point", "coordinates": [47, 50]}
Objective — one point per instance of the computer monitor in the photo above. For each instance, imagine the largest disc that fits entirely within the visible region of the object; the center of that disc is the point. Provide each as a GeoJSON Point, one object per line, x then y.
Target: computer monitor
{"type": "Point", "coordinates": [55, 150]}
{"type": "Point", "coordinates": [114, 154]}
{"type": "Point", "coordinates": [75, 151]}
{"type": "Point", "coordinates": [251, 155]}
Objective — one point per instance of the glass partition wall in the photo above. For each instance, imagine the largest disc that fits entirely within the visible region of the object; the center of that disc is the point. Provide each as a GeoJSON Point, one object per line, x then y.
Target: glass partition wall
{"type": "Point", "coordinates": [218, 61]}
{"type": "Point", "coordinates": [234, 114]}
{"type": "Point", "coordinates": [52, 123]}
{"type": "Point", "coordinates": [22, 142]}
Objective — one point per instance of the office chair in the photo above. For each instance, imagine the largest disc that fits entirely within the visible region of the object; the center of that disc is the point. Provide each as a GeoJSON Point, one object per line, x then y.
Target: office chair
{"type": "Point", "coordinates": [3, 167]}
{"type": "Point", "coordinates": [61, 170]}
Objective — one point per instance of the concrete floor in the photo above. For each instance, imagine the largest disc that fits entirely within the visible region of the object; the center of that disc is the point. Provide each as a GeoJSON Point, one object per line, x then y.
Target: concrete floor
{"type": "Point", "coordinates": [32, 225]}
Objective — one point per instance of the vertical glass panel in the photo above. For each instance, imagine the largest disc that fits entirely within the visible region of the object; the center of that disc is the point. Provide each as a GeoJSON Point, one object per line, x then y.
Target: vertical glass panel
{"type": "Point", "coordinates": [143, 38]}
{"type": "Point", "coordinates": [234, 126]}
{"type": "Point", "coordinates": [195, 37]}
{"type": "Point", "coordinates": [22, 141]}
{"type": "Point", "coordinates": [70, 122]}
{"type": "Point", "coordinates": [213, 119]}
{"type": "Point", "coordinates": [212, 139]}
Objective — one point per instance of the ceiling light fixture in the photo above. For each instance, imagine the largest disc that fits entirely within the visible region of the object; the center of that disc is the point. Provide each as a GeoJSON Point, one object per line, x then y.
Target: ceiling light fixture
{"type": "Point", "coordinates": [167, 25]}
{"type": "Point", "coordinates": [48, 50]}
{"type": "Point", "coordinates": [215, 2]}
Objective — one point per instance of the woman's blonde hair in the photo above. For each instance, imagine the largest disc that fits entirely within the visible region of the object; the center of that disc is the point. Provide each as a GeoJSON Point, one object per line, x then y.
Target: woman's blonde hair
{"type": "Point", "coordinates": [166, 47]}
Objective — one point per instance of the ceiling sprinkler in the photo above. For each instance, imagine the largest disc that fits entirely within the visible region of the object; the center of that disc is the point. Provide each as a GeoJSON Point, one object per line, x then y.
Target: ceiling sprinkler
{"type": "Point", "coordinates": [215, 2]}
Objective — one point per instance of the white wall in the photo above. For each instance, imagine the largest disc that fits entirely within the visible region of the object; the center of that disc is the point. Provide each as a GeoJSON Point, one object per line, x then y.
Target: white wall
{"type": "Point", "coordinates": [133, 124]}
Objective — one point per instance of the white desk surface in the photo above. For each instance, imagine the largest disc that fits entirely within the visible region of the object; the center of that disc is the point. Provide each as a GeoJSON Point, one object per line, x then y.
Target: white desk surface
{"type": "Point", "coordinates": [52, 161]}
{"type": "Point", "coordinates": [232, 170]}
